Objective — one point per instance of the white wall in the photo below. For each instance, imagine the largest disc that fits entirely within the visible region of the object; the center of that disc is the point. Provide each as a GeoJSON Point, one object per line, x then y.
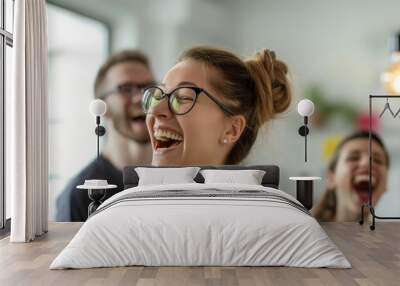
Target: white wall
{"type": "Point", "coordinates": [167, 28]}
{"type": "Point", "coordinates": [163, 29]}
{"type": "Point", "coordinates": [342, 44]}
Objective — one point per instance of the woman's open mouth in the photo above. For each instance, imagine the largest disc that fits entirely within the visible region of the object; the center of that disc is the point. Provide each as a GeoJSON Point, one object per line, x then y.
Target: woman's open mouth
{"type": "Point", "coordinates": [165, 140]}
{"type": "Point", "coordinates": [360, 185]}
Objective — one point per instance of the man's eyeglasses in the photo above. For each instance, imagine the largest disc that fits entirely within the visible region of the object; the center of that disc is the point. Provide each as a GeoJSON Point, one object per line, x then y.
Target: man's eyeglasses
{"type": "Point", "coordinates": [180, 101]}
{"type": "Point", "coordinates": [128, 90]}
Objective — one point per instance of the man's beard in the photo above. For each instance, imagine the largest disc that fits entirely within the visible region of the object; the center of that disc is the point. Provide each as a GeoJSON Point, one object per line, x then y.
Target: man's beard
{"type": "Point", "coordinates": [122, 126]}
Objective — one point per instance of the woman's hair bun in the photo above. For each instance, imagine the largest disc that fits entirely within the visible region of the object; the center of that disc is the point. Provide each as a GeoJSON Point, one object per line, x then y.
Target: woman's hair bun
{"type": "Point", "coordinates": [272, 85]}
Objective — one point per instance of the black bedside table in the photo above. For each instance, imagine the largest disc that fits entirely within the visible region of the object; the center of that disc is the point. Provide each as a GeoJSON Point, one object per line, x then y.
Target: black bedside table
{"type": "Point", "coordinates": [304, 190]}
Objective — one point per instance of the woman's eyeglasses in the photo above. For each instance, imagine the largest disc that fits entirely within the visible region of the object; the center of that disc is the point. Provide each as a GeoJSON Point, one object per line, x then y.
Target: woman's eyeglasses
{"type": "Point", "coordinates": [180, 101]}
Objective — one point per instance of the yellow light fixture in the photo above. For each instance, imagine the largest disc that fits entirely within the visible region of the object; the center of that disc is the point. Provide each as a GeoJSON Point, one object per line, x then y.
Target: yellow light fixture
{"type": "Point", "coordinates": [391, 77]}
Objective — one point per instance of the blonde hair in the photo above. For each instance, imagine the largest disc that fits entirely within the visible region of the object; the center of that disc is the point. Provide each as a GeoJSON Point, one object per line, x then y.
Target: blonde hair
{"type": "Point", "coordinates": [257, 88]}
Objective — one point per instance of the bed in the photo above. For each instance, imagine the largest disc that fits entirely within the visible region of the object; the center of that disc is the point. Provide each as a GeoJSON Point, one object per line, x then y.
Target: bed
{"type": "Point", "coordinates": [201, 224]}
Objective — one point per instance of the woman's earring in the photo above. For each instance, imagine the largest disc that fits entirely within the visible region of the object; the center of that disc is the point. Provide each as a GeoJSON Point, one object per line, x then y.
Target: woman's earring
{"type": "Point", "coordinates": [225, 141]}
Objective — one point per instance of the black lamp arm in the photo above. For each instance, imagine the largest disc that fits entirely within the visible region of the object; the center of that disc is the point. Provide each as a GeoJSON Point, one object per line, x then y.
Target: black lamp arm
{"type": "Point", "coordinates": [100, 131]}
{"type": "Point", "coordinates": [303, 131]}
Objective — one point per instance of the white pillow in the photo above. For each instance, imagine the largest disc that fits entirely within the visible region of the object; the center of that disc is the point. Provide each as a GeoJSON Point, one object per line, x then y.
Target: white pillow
{"type": "Point", "coordinates": [248, 177]}
{"type": "Point", "coordinates": [163, 176]}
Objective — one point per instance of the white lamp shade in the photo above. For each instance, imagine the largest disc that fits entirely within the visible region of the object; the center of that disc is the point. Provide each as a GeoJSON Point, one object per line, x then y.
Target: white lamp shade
{"type": "Point", "coordinates": [98, 107]}
{"type": "Point", "coordinates": [305, 107]}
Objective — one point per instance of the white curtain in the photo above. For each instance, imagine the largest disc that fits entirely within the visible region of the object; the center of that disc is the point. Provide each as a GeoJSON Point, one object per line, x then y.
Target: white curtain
{"type": "Point", "coordinates": [28, 157]}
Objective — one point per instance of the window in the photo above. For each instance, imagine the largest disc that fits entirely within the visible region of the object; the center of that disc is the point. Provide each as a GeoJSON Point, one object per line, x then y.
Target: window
{"type": "Point", "coordinates": [78, 45]}
{"type": "Point", "coordinates": [6, 43]}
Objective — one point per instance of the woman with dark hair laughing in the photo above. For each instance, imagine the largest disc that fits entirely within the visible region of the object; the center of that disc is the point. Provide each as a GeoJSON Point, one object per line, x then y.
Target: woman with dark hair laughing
{"type": "Point", "coordinates": [348, 178]}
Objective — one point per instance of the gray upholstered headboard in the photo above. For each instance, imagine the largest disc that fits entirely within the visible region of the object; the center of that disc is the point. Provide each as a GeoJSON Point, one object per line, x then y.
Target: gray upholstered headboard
{"type": "Point", "coordinates": [270, 179]}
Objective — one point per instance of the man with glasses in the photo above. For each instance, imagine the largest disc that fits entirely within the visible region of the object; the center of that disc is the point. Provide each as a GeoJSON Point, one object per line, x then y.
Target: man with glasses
{"type": "Point", "coordinates": [120, 83]}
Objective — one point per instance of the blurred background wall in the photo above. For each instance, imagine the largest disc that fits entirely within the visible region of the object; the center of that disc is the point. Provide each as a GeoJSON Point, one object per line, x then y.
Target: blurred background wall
{"type": "Point", "coordinates": [336, 52]}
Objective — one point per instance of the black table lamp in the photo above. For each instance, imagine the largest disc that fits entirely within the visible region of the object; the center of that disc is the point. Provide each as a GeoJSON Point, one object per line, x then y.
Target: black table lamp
{"type": "Point", "coordinates": [305, 108]}
{"type": "Point", "coordinates": [98, 108]}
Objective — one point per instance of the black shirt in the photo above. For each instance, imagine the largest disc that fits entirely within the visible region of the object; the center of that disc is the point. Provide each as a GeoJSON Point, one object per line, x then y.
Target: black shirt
{"type": "Point", "coordinates": [72, 204]}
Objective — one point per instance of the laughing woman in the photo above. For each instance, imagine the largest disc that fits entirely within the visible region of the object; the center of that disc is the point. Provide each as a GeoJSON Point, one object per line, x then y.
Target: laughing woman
{"type": "Point", "coordinates": [211, 104]}
{"type": "Point", "coordinates": [348, 178]}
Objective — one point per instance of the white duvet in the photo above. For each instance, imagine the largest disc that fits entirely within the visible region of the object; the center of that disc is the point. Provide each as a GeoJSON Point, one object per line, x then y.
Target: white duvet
{"type": "Point", "coordinates": [183, 231]}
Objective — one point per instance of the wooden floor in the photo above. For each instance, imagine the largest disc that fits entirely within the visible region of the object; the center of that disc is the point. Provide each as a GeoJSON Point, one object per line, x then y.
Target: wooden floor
{"type": "Point", "coordinates": [374, 255]}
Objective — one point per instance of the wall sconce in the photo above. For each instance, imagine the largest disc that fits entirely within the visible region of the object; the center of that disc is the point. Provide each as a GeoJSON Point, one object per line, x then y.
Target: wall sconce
{"type": "Point", "coordinates": [391, 77]}
{"type": "Point", "coordinates": [98, 108]}
{"type": "Point", "coordinates": [305, 108]}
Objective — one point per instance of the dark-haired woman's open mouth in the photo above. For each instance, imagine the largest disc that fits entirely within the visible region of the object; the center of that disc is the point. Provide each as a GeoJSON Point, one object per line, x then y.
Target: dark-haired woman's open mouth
{"type": "Point", "coordinates": [360, 185]}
